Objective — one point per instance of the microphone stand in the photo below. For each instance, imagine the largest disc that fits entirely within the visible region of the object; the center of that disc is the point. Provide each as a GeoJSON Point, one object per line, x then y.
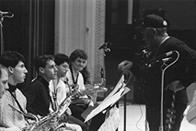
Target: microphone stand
{"type": "Point", "coordinates": [106, 50]}
{"type": "Point", "coordinates": [164, 67]}
{"type": "Point", "coordinates": [1, 31]}
{"type": "Point", "coordinates": [125, 111]}
{"type": "Point", "coordinates": [2, 16]}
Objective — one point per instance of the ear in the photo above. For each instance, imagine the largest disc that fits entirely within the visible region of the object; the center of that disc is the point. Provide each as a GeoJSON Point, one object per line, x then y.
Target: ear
{"type": "Point", "coordinates": [41, 70]}
{"type": "Point", "coordinates": [10, 69]}
{"type": "Point", "coordinates": [152, 31]}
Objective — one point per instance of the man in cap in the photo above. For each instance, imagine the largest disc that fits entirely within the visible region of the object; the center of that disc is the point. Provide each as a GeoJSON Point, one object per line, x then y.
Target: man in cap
{"type": "Point", "coordinates": [166, 49]}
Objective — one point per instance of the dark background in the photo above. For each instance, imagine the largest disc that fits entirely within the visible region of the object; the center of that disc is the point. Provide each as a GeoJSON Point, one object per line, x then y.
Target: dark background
{"type": "Point", "coordinates": [125, 44]}
{"type": "Point", "coordinates": [31, 30]}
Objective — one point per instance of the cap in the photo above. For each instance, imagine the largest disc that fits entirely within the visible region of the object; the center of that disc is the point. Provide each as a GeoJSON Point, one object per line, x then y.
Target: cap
{"type": "Point", "coordinates": [155, 21]}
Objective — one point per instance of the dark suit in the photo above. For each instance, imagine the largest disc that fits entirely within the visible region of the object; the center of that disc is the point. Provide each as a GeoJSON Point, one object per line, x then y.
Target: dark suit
{"type": "Point", "coordinates": [181, 71]}
{"type": "Point", "coordinates": [38, 98]}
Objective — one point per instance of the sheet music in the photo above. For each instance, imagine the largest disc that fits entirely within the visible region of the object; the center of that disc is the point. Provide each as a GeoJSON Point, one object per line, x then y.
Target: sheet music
{"type": "Point", "coordinates": [119, 85]}
{"type": "Point", "coordinates": [110, 100]}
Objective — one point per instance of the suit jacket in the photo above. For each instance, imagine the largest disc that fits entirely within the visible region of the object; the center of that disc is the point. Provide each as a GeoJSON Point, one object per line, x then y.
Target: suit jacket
{"type": "Point", "coordinates": [179, 71]}
{"type": "Point", "coordinates": [38, 97]}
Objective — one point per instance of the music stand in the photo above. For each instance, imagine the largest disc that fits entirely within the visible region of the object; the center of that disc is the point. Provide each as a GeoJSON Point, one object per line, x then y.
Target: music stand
{"type": "Point", "coordinates": [118, 92]}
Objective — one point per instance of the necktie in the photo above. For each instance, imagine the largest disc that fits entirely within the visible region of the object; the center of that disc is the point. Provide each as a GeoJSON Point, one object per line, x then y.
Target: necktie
{"type": "Point", "coordinates": [170, 116]}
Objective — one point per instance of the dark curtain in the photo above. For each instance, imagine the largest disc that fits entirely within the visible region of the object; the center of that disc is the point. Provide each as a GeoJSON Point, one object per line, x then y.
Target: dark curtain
{"type": "Point", "coordinates": [41, 28]}
{"type": "Point", "coordinates": [31, 30]}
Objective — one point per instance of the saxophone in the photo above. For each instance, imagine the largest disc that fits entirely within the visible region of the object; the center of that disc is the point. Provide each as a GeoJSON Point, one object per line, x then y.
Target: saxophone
{"type": "Point", "coordinates": [45, 122]}
{"type": "Point", "coordinates": [50, 121]}
{"type": "Point", "coordinates": [61, 109]}
{"type": "Point", "coordinates": [37, 124]}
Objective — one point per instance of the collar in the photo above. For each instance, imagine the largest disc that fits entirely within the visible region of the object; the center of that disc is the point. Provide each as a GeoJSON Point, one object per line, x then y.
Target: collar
{"type": "Point", "coordinates": [75, 80]}
{"type": "Point", "coordinates": [12, 88]}
{"type": "Point", "coordinates": [64, 79]}
{"type": "Point", "coordinates": [167, 37]}
{"type": "Point", "coordinates": [43, 81]}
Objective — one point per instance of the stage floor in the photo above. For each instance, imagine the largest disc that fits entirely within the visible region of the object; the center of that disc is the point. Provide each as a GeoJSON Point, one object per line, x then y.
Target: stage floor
{"type": "Point", "coordinates": [135, 119]}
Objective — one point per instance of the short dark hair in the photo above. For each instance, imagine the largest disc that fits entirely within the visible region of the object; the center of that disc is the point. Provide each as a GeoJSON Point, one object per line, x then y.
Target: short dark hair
{"type": "Point", "coordinates": [11, 58]}
{"type": "Point", "coordinates": [155, 21]}
{"type": "Point", "coordinates": [60, 58]}
{"type": "Point", "coordinates": [41, 61]}
{"type": "Point", "coordinates": [78, 53]}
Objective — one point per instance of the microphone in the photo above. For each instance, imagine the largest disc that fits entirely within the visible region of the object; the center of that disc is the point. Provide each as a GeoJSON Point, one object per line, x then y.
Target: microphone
{"type": "Point", "coordinates": [105, 47]}
{"type": "Point", "coordinates": [162, 58]}
{"type": "Point", "coordinates": [167, 54]}
{"type": "Point", "coordinates": [6, 14]}
{"type": "Point", "coordinates": [166, 59]}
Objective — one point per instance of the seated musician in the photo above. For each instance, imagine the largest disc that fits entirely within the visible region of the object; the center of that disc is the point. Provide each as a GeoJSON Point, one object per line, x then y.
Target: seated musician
{"type": "Point", "coordinates": [78, 60]}
{"type": "Point", "coordinates": [11, 119]}
{"type": "Point", "coordinates": [3, 80]}
{"type": "Point", "coordinates": [60, 90]}
{"type": "Point", "coordinates": [3, 87]}
{"type": "Point", "coordinates": [38, 93]}
{"type": "Point", "coordinates": [87, 94]}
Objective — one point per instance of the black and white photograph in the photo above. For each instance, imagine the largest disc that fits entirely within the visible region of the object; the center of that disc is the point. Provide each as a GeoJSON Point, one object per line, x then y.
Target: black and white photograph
{"type": "Point", "coordinates": [97, 65]}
